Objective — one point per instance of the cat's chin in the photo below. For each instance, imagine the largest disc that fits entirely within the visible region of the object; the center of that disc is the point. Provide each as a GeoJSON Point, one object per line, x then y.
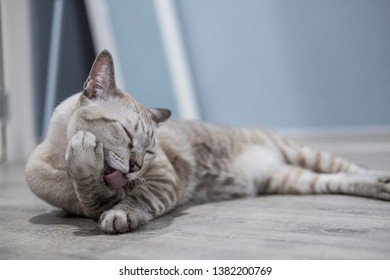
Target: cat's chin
{"type": "Point", "coordinates": [132, 176]}
{"type": "Point", "coordinates": [116, 179]}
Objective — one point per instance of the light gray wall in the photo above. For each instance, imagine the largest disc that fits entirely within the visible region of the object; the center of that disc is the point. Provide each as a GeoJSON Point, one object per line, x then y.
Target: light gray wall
{"type": "Point", "coordinates": [298, 63]}
{"type": "Point", "coordinates": [270, 63]}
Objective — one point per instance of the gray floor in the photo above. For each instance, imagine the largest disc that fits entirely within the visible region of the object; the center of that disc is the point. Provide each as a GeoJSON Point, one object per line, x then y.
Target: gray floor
{"type": "Point", "coordinates": [269, 227]}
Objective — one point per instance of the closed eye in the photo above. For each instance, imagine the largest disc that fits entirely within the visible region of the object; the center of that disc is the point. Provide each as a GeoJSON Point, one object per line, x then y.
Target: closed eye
{"type": "Point", "coordinates": [129, 135]}
{"type": "Point", "coordinates": [149, 155]}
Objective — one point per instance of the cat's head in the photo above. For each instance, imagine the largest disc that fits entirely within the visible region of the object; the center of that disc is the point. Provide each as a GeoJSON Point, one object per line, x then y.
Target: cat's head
{"type": "Point", "coordinates": [125, 127]}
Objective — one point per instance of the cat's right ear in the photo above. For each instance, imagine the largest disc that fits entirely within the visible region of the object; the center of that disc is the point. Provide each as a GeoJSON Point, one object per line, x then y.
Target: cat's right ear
{"type": "Point", "coordinates": [159, 115]}
{"type": "Point", "coordinates": [100, 83]}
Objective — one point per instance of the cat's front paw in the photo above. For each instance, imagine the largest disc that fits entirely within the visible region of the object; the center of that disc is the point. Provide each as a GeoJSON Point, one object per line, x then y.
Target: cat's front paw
{"type": "Point", "coordinates": [120, 221]}
{"type": "Point", "coordinates": [85, 157]}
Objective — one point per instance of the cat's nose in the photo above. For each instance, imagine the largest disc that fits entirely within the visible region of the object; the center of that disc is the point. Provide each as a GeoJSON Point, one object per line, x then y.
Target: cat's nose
{"type": "Point", "coordinates": [134, 167]}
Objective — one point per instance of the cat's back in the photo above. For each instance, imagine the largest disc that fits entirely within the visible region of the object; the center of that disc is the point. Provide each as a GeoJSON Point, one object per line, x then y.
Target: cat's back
{"type": "Point", "coordinates": [196, 132]}
{"type": "Point", "coordinates": [65, 109]}
{"type": "Point", "coordinates": [53, 147]}
{"type": "Point", "coordinates": [205, 155]}
{"type": "Point", "coordinates": [199, 142]}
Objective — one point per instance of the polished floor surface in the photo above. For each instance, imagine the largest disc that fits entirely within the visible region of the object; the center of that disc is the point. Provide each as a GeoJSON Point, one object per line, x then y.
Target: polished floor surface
{"type": "Point", "coordinates": [268, 227]}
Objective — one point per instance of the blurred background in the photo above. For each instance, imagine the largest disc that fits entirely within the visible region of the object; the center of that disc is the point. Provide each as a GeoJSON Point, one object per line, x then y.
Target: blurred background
{"type": "Point", "coordinates": [293, 66]}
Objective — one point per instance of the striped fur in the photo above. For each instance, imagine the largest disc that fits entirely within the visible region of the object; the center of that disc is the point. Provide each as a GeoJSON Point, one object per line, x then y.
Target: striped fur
{"type": "Point", "coordinates": [173, 163]}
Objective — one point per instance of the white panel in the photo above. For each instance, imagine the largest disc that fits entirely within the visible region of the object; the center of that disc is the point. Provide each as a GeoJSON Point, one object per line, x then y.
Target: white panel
{"type": "Point", "coordinates": [177, 59]}
{"type": "Point", "coordinates": [102, 34]}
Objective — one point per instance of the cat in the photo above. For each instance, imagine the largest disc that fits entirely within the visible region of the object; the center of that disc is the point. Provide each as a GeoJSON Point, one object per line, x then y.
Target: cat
{"type": "Point", "coordinates": [108, 157]}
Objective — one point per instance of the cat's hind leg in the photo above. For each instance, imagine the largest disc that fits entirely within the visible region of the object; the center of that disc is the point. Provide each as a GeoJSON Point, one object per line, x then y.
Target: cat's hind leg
{"type": "Point", "coordinates": [296, 180]}
{"type": "Point", "coordinates": [316, 160]}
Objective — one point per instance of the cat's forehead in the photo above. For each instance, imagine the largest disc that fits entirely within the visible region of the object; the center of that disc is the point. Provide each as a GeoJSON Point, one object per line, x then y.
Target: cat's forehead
{"type": "Point", "coordinates": [139, 126]}
{"type": "Point", "coordinates": [132, 116]}
{"type": "Point", "coordinates": [117, 108]}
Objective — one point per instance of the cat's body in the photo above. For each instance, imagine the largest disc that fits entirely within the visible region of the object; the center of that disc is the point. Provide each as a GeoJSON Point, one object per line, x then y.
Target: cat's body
{"type": "Point", "coordinates": [107, 157]}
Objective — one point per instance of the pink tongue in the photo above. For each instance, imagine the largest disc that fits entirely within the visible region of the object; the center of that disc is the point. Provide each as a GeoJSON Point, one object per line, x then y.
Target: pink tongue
{"type": "Point", "coordinates": [116, 179]}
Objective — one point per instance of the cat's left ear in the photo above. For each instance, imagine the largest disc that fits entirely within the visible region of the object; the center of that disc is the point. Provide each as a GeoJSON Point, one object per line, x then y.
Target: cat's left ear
{"type": "Point", "coordinates": [100, 83]}
{"type": "Point", "coordinates": [159, 115]}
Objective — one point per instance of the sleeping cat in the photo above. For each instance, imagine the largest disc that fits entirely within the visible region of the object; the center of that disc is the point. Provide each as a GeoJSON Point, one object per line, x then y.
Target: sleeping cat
{"type": "Point", "coordinates": [108, 157]}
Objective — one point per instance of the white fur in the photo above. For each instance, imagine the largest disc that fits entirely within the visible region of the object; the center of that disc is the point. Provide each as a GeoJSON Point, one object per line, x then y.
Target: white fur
{"type": "Point", "coordinates": [257, 163]}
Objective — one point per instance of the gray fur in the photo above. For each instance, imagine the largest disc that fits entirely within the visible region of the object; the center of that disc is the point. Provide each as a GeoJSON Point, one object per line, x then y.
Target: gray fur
{"type": "Point", "coordinates": [170, 162]}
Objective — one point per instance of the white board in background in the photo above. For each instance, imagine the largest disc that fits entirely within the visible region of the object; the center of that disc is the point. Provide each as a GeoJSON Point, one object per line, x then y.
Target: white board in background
{"type": "Point", "coordinates": [177, 59]}
{"type": "Point", "coordinates": [102, 34]}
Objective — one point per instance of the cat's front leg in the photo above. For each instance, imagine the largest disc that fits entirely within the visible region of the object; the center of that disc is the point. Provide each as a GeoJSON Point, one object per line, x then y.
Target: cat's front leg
{"type": "Point", "coordinates": [85, 160]}
{"type": "Point", "coordinates": [124, 219]}
{"type": "Point", "coordinates": [149, 200]}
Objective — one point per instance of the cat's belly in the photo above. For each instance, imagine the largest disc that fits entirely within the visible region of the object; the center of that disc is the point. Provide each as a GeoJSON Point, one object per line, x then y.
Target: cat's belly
{"type": "Point", "coordinates": [240, 177]}
{"type": "Point", "coordinates": [257, 163]}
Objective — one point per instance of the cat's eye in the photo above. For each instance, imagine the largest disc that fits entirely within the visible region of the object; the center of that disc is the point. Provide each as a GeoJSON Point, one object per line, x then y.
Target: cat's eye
{"type": "Point", "coordinates": [128, 133]}
{"type": "Point", "coordinates": [149, 154]}
{"type": "Point", "coordinates": [130, 137]}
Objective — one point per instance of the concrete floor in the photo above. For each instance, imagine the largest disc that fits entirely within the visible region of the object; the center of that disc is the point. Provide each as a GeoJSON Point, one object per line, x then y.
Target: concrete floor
{"type": "Point", "coordinates": [269, 227]}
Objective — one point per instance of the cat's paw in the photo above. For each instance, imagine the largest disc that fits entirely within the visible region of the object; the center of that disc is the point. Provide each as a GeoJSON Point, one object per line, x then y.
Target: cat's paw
{"type": "Point", "coordinates": [370, 185]}
{"type": "Point", "coordinates": [384, 179]}
{"type": "Point", "coordinates": [383, 189]}
{"type": "Point", "coordinates": [84, 156]}
{"type": "Point", "coordinates": [119, 221]}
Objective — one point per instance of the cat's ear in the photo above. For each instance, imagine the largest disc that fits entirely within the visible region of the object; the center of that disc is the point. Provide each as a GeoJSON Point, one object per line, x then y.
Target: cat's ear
{"type": "Point", "coordinates": [159, 115]}
{"type": "Point", "coordinates": [100, 83]}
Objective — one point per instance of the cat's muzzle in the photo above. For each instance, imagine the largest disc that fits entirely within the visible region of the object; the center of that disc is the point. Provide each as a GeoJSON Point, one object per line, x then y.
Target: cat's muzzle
{"type": "Point", "coordinates": [134, 166]}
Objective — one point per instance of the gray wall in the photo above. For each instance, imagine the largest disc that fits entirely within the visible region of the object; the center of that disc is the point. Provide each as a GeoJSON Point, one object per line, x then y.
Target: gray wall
{"type": "Point", "coordinates": [298, 63]}
{"type": "Point", "coordinates": [269, 63]}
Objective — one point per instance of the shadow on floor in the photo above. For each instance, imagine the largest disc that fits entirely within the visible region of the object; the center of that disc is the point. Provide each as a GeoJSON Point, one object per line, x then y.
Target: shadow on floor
{"type": "Point", "coordinates": [89, 227]}
{"type": "Point", "coordinates": [86, 226]}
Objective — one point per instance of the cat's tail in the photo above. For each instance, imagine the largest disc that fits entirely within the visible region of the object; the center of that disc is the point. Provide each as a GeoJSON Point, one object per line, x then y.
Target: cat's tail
{"type": "Point", "coordinates": [316, 160]}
